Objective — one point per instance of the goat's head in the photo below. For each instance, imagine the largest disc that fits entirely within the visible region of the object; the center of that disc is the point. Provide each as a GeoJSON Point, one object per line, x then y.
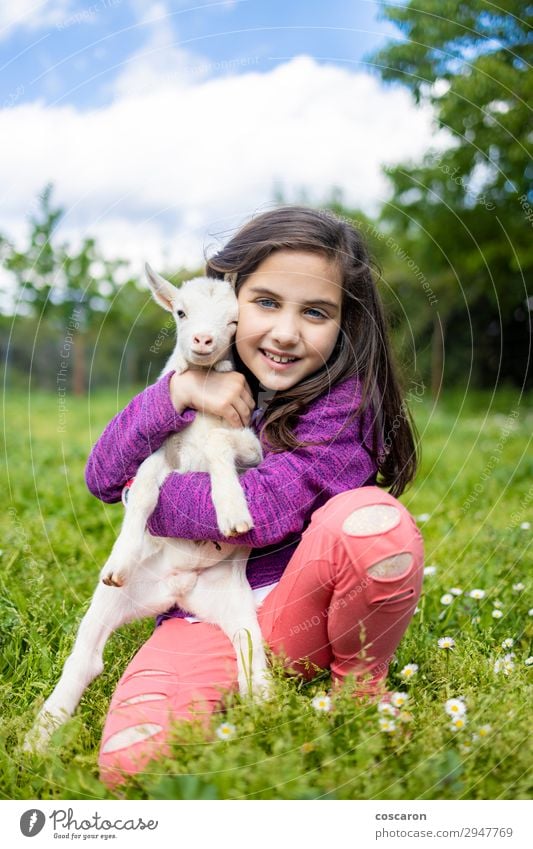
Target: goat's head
{"type": "Point", "coordinates": [205, 311]}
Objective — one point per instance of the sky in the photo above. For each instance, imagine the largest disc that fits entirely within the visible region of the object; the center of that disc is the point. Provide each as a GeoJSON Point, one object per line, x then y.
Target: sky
{"type": "Point", "coordinates": [165, 125]}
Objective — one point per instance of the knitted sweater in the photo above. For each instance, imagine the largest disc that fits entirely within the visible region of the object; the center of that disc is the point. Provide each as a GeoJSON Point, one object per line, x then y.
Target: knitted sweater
{"type": "Point", "coordinates": [281, 493]}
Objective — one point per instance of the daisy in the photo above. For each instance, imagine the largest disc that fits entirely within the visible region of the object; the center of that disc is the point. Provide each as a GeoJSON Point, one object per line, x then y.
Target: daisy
{"type": "Point", "coordinates": [477, 594]}
{"type": "Point", "coordinates": [424, 517]}
{"type": "Point", "coordinates": [505, 665]}
{"type": "Point", "coordinates": [497, 614]}
{"type": "Point", "coordinates": [497, 603]}
{"type": "Point", "coordinates": [517, 588]}
{"type": "Point", "coordinates": [321, 702]}
{"type": "Point", "coordinates": [455, 707]}
{"type": "Point", "coordinates": [430, 570]}
{"type": "Point", "coordinates": [529, 661]}
{"type": "Point", "coordinates": [409, 670]}
{"type": "Point", "coordinates": [508, 643]}
{"type": "Point", "coordinates": [447, 598]}
{"type": "Point", "coordinates": [525, 526]}
{"type": "Point", "coordinates": [458, 723]}
{"type": "Point", "coordinates": [405, 716]}
{"type": "Point", "coordinates": [446, 643]}
{"type": "Point", "coordinates": [530, 611]}
{"type": "Point", "coordinates": [476, 620]}
{"type": "Point", "coordinates": [387, 725]}
{"type": "Point", "coordinates": [399, 699]}
{"type": "Point", "coordinates": [484, 731]}
{"type": "Point", "coordinates": [226, 731]}
{"type": "Point", "coordinates": [387, 709]}
{"type": "Point", "coordinates": [456, 591]}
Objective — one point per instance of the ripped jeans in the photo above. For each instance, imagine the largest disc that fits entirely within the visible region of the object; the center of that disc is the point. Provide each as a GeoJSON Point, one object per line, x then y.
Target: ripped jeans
{"type": "Point", "coordinates": [343, 603]}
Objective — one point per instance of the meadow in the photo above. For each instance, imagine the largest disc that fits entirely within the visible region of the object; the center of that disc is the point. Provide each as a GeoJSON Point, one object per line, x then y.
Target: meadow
{"type": "Point", "coordinates": [474, 503]}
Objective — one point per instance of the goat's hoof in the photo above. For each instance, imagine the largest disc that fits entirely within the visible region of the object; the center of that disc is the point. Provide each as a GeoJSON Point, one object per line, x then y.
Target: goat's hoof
{"type": "Point", "coordinates": [237, 528]}
{"type": "Point", "coordinates": [113, 580]}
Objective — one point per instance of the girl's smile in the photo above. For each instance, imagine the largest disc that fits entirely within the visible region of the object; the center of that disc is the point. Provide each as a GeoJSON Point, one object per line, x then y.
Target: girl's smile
{"type": "Point", "coordinates": [289, 317]}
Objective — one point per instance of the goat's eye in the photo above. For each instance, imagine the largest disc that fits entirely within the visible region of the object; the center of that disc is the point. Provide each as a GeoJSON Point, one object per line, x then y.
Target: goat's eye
{"type": "Point", "coordinates": [233, 324]}
{"type": "Point", "coordinates": [180, 314]}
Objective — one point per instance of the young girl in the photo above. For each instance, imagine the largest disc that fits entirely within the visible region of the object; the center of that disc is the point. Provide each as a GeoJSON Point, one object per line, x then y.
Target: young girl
{"type": "Point", "coordinates": [336, 565]}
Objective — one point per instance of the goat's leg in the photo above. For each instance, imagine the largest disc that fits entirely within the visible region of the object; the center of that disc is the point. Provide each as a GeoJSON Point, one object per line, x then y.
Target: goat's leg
{"type": "Point", "coordinates": [233, 515]}
{"type": "Point", "coordinates": [109, 609]}
{"type": "Point", "coordinates": [142, 500]}
{"type": "Point", "coordinates": [223, 597]}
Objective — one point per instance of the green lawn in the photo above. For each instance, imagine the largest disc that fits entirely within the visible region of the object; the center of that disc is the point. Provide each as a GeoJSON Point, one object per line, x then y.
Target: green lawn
{"type": "Point", "coordinates": [476, 485]}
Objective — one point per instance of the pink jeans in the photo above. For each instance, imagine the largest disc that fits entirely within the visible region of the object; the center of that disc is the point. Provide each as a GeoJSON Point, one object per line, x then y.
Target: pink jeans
{"type": "Point", "coordinates": [343, 603]}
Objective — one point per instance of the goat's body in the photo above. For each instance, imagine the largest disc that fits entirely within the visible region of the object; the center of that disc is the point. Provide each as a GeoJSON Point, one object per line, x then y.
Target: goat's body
{"type": "Point", "coordinates": [147, 575]}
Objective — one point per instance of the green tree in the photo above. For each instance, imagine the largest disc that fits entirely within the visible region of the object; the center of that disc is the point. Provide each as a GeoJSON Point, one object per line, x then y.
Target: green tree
{"type": "Point", "coordinates": [464, 214]}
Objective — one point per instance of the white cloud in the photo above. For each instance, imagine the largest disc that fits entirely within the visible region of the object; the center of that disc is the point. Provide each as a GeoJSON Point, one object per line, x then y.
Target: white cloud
{"type": "Point", "coordinates": [158, 171]}
{"type": "Point", "coordinates": [32, 15]}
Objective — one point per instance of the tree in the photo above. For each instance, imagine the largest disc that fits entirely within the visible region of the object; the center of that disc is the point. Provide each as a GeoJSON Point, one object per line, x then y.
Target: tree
{"type": "Point", "coordinates": [465, 214]}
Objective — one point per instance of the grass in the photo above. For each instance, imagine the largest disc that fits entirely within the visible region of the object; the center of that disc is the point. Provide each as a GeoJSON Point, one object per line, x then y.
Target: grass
{"type": "Point", "coordinates": [475, 485]}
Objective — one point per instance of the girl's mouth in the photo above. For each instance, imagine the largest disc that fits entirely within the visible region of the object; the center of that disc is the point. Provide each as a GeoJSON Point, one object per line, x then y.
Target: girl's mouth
{"type": "Point", "coordinates": [277, 362]}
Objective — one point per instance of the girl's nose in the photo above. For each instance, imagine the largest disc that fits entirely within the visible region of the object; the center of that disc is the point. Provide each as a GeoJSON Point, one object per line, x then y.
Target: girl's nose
{"type": "Point", "coordinates": [285, 331]}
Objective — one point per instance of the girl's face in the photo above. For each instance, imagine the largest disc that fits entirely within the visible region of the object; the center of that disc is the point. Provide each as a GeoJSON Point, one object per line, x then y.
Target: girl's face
{"type": "Point", "coordinates": [289, 317]}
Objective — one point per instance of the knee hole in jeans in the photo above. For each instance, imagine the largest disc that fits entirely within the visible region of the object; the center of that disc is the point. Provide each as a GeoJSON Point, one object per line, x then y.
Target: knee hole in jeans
{"type": "Point", "coordinates": [371, 519]}
{"type": "Point", "coordinates": [129, 736]}
{"type": "Point", "coordinates": [392, 567]}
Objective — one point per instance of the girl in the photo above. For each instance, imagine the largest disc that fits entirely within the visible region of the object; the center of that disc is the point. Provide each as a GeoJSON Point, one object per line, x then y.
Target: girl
{"type": "Point", "coordinates": [336, 565]}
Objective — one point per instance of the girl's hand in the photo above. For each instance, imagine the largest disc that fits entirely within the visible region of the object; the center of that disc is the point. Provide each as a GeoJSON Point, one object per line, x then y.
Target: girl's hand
{"type": "Point", "coordinates": [223, 394]}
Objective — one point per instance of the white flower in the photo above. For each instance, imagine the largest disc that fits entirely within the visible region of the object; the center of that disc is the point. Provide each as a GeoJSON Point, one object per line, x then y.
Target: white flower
{"type": "Point", "coordinates": [458, 723]}
{"type": "Point", "coordinates": [399, 699]}
{"type": "Point", "coordinates": [321, 702]}
{"type": "Point", "coordinates": [497, 614]}
{"type": "Point", "coordinates": [446, 643]}
{"type": "Point", "coordinates": [447, 598]}
{"type": "Point", "coordinates": [409, 670]}
{"type": "Point", "coordinates": [456, 591]}
{"type": "Point", "coordinates": [477, 594]}
{"type": "Point", "coordinates": [530, 611]}
{"type": "Point", "coordinates": [529, 661]}
{"type": "Point", "coordinates": [476, 620]}
{"type": "Point", "coordinates": [497, 603]}
{"type": "Point", "coordinates": [504, 665]}
{"type": "Point", "coordinates": [484, 731]}
{"type": "Point", "coordinates": [517, 588]}
{"type": "Point", "coordinates": [525, 526]}
{"type": "Point", "coordinates": [226, 731]}
{"type": "Point", "coordinates": [424, 517]}
{"type": "Point", "coordinates": [455, 707]}
{"type": "Point", "coordinates": [430, 570]}
{"type": "Point", "coordinates": [508, 643]}
{"type": "Point", "coordinates": [387, 709]}
{"type": "Point", "coordinates": [387, 725]}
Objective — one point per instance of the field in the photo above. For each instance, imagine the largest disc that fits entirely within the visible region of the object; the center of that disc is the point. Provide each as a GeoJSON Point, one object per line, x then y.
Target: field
{"type": "Point", "coordinates": [474, 503]}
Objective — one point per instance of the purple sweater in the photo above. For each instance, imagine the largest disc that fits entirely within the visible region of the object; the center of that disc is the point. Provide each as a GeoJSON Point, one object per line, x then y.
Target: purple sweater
{"type": "Point", "coordinates": [281, 493]}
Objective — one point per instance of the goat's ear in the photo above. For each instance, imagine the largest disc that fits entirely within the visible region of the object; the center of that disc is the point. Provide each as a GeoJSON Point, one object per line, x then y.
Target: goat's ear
{"type": "Point", "coordinates": [163, 291]}
{"type": "Point", "coordinates": [231, 278]}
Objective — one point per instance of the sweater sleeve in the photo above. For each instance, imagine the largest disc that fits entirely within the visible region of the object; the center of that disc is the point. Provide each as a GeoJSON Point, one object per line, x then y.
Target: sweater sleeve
{"type": "Point", "coordinates": [287, 487]}
{"type": "Point", "coordinates": [134, 434]}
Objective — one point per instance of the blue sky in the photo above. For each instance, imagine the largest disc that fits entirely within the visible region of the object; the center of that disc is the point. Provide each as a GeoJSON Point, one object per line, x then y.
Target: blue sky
{"type": "Point", "coordinates": [164, 124]}
{"type": "Point", "coordinates": [70, 52]}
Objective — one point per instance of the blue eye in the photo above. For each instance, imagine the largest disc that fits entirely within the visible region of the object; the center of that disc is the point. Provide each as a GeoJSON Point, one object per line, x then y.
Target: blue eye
{"type": "Point", "coordinates": [317, 313]}
{"type": "Point", "coordinates": [265, 302]}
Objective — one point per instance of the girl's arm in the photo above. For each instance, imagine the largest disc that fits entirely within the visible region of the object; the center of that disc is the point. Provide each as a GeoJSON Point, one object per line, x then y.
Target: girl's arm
{"type": "Point", "coordinates": [162, 409]}
{"type": "Point", "coordinates": [134, 434]}
{"type": "Point", "coordinates": [286, 488]}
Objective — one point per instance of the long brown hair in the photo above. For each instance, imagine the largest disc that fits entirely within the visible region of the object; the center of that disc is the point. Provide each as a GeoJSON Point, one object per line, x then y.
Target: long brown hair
{"type": "Point", "coordinates": [362, 347]}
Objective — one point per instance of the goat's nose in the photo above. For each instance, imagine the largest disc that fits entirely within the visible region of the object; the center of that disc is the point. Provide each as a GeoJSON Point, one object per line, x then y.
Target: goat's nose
{"type": "Point", "coordinates": [203, 340]}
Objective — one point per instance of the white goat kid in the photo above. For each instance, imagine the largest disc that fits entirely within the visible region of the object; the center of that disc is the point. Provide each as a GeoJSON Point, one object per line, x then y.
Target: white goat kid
{"type": "Point", "coordinates": [146, 575]}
